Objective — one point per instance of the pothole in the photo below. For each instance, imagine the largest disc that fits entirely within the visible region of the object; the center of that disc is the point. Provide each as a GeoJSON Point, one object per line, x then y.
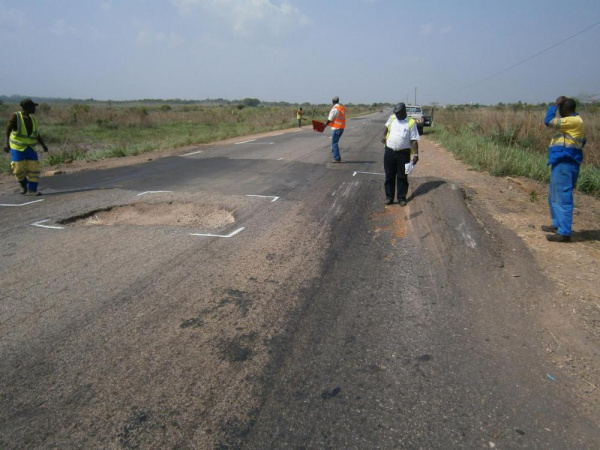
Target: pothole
{"type": "Point", "coordinates": [148, 214]}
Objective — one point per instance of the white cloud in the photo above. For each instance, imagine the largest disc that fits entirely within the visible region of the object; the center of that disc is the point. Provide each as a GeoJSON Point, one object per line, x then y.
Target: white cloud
{"type": "Point", "coordinates": [247, 17]}
{"type": "Point", "coordinates": [150, 38]}
{"type": "Point", "coordinates": [445, 29]}
{"type": "Point", "coordinates": [426, 29]}
{"type": "Point", "coordinates": [12, 17]}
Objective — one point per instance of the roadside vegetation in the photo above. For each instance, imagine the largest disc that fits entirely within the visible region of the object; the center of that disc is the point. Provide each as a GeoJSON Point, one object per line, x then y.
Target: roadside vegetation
{"type": "Point", "coordinates": [513, 140]}
{"type": "Point", "coordinates": [99, 130]}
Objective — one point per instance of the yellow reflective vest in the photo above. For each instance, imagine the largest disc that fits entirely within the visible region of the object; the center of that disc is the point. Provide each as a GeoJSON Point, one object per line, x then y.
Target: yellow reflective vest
{"type": "Point", "coordinates": [411, 123]}
{"type": "Point", "coordinates": [19, 139]}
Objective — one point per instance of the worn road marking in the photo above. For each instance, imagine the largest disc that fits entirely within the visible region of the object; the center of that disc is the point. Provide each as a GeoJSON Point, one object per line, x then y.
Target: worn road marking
{"type": "Point", "coordinates": [370, 173]}
{"type": "Point", "coordinates": [233, 233]}
{"type": "Point", "coordinates": [193, 153]}
{"type": "Point", "coordinates": [245, 142]}
{"type": "Point", "coordinates": [264, 196]}
{"type": "Point", "coordinates": [21, 204]}
{"type": "Point", "coordinates": [39, 224]}
{"type": "Point", "coordinates": [153, 192]}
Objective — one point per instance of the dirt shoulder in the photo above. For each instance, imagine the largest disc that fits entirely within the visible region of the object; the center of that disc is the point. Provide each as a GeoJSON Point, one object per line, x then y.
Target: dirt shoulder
{"type": "Point", "coordinates": [570, 320]}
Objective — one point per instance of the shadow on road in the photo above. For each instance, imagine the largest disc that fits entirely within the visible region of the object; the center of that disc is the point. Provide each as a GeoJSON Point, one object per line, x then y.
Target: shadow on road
{"type": "Point", "coordinates": [426, 187]}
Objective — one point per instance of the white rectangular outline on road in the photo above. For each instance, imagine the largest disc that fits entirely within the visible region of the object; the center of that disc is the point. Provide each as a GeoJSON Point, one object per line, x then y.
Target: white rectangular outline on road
{"type": "Point", "coordinates": [21, 204]}
{"type": "Point", "coordinates": [245, 142]}
{"type": "Point", "coordinates": [264, 196]}
{"type": "Point", "coordinates": [38, 224]}
{"type": "Point", "coordinates": [233, 233]}
{"type": "Point", "coordinates": [193, 153]}
{"type": "Point", "coordinates": [153, 192]}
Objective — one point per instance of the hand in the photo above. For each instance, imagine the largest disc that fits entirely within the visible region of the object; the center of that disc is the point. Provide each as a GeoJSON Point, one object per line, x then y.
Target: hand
{"type": "Point", "coordinates": [560, 100]}
{"type": "Point", "coordinates": [6, 149]}
{"type": "Point", "coordinates": [383, 141]}
{"type": "Point", "coordinates": [415, 159]}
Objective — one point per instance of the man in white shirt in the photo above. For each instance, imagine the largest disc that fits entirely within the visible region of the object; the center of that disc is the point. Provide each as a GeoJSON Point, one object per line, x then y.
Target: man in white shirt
{"type": "Point", "coordinates": [400, 136]}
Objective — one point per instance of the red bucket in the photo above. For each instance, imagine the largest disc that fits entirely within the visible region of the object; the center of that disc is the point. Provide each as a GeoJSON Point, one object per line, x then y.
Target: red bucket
{"type": "Point", "coordinates": [318, 126]}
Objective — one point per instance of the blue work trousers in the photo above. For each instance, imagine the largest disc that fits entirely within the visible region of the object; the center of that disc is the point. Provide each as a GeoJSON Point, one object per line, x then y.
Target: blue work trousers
{"type": "Point", "coordinates": [563, 179]}
{"type": "Point", "coordinates": [336, 134]}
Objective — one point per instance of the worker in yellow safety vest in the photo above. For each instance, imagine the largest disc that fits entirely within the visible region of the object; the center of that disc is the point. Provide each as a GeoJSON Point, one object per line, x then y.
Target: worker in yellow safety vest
{"type": "Point", "coordinates": [337, 121]}
{"type": "Point", "coordinates": [21, 137]}
{"type": "Point", "coordinates": [401, 138]}
{"type": "Point", "coordinates": [299, 117]}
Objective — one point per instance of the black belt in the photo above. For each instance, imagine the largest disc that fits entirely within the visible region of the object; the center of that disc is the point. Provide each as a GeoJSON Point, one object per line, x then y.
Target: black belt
{"type": "Point", "coordinates": [399, 150]}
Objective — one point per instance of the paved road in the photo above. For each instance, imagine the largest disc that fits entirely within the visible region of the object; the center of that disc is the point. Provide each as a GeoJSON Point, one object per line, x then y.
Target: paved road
{"type": "Point", "coordinates": [312, 318]}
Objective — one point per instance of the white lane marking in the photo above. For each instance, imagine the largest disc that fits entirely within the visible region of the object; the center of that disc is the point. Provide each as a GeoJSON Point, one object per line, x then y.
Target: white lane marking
{"type": "Point", "coordinates": [279, 159]}
{"type": "Point", "coordinates": [21, 204]}
{"type": "Point", "coordinates": [370, 173]}
{"type": "Point", "coordinates": [233, 233]}
{"type": "Point", "coordinates": [39, 224]}
{"type": "Point", "coordinates": [153, 192]}
{"type": "Point", "coordinates": [193, 153]}
{"type": "Point", "coordinates": [245, 142]}
{"type": "Point", "coordinates": [264, 196]}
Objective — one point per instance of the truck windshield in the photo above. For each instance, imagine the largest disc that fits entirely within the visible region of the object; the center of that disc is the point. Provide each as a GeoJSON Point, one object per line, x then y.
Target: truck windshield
{"type": "Point", "coordinates": [413, 109]}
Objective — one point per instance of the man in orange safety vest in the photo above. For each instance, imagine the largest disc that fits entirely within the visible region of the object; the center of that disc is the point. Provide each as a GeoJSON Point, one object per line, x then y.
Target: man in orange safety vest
{"type": "Point", "coordinates": [337, 122]}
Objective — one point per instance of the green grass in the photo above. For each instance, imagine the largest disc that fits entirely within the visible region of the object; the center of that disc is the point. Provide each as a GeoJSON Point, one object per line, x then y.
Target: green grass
{"type": "Point", "coordinates": [485, 153]}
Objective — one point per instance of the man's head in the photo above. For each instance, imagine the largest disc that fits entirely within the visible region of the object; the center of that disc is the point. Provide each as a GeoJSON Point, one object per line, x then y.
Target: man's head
{"type": "Point", "coordinates": [335, 100]}
{"type": "Point", "coordinates": [300, 109]}
{"type": "Point", "coordinates": [567, 108]}
{"type": "Point", "coordinates": [28, 105]}
{"type": "Point", "coordinates": [400, 111]}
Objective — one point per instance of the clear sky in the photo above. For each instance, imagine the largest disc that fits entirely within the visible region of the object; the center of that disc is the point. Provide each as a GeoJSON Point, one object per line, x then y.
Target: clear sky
{"type": "Point", "coordinates": [364, 51]}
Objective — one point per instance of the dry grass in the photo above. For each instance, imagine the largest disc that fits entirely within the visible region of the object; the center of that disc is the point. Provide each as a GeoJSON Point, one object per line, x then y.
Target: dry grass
{"type": "Point", "coordinates": [523, 129]}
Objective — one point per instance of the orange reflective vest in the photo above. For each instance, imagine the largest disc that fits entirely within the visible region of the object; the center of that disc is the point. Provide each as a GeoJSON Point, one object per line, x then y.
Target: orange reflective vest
{"type": "Point", "coordinates": [339, 121]}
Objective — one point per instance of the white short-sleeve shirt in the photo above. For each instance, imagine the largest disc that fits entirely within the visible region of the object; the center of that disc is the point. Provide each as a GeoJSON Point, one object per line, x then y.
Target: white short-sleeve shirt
{"type": "Point", "coordinates": [332, 114]}
{"type": "Point", "coordinates": [400, 133]}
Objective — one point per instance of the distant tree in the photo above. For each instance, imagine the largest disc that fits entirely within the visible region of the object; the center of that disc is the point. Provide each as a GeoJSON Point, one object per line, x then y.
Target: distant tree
{"type": "Point", "coordinates": [251, 102]}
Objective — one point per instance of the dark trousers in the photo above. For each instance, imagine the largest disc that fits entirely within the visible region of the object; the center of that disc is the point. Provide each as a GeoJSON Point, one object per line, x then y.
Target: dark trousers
{"type": "Point", "coordinates": [393, 164]}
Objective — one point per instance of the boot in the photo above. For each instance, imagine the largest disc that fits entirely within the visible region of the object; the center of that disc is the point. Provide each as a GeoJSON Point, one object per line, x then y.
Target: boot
{"type": "Point", "coordinates": [23, 186]}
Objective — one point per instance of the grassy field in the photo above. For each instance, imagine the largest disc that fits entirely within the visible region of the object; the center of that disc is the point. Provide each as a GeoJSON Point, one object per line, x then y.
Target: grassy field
{"type": "Point", "coordinates": [504, 141]}
{"type": "Point", "coordinates": [99, 131]}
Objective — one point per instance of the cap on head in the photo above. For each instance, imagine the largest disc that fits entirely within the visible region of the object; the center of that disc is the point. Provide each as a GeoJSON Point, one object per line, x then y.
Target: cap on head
{"type": "Point", "coordinates": [399, 107]}
{"type": "Point", "coordinates": [28, 103]}
{"type": "Point", "coordinates": [335, 99]}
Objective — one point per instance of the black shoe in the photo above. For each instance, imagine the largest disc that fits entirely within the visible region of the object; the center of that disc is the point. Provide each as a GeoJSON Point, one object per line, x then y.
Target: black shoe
{"type": "Point", "coordinates": [23, 187]}
{"type": "Point", "coordinates": [549, 228]}
{"type": "Point", "coordinates": [558, 238]}
{"type": "Point", "coordinates": [402, 202]}
{"type": "Point", "coordinates": [389, 201]}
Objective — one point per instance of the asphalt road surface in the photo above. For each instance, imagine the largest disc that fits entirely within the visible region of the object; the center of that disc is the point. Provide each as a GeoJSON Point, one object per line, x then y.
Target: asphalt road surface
{"type": "Point", "coordinates": [256, 295]}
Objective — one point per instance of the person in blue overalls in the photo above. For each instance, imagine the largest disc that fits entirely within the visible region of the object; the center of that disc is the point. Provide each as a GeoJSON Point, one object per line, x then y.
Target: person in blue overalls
{"type": "Point", "coordinates": [565, 155]}
{"type": "Point", "coordinates": [21, 137]}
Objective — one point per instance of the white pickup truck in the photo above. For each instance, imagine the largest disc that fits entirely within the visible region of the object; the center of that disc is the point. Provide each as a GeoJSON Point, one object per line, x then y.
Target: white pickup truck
{"type": "Point", "coordinates": [416, 112]}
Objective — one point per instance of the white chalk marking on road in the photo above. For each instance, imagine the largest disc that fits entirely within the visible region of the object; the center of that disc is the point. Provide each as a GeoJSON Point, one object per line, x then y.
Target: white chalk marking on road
{"type": "Point", "coordinates": [233, 233]}
{"type": "Point", "coordinates": [153, 192]}
{"type": "Point", "coordinates": [21, 204]}
{"type": "Point", "coordinates": [193, 153]}
{"type": "Point", "coordinates": [466, 236]}
{"type": "Point", "coordinates": [245, 142]}
{"type": "Point", "coordinates": [39, 224]}
{"type": "Point", "coordinates": [370, 173]}
{"type": "Point", "coordinates": [264, 196]}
